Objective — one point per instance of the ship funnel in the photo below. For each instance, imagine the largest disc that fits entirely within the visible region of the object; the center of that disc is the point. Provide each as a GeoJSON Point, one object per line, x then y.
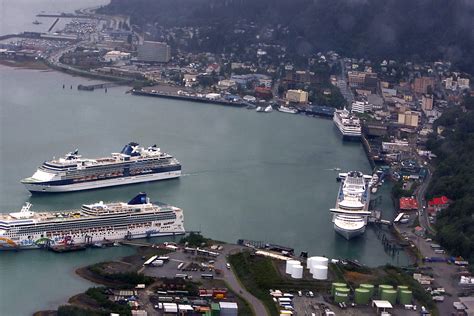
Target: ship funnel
{"type": "Point", "coordinates": [139, 199]}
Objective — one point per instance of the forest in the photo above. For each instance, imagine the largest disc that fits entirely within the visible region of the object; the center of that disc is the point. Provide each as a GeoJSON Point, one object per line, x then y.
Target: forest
{"type": "Point", "coordinates": [422, 30]}
{"type": "Point", "coordinates": [454, 177]}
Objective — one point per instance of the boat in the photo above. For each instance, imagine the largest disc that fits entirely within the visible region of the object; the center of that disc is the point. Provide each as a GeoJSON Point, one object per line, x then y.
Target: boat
{"type": "Point", "coordinates": [36, 22]}
{"type": "Point", "coordinates": [260, 109]}
{"type": "Point", "coordinates": [348, 125]}
{"type": "Point", "coordinates": [134, 164]}
{"type": "Point", "coordinates": [285, 109]}
{"type": "Point", "coordinates": [268, 109]}
{"type": "Point", "coordinates": [336, 169]}
{"type": "Point", "coordinates": [350, 215]}
{"type": "Point", "coordinates": [92, 224]}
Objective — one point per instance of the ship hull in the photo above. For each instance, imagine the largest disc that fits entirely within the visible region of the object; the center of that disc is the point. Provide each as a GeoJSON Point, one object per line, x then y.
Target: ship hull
{"type": "Point", "coordinates": [32, 243]}
{"type": "Point", "coordinates": [47, 188]}
{"type": "Point", "coordinates": [349, 234]}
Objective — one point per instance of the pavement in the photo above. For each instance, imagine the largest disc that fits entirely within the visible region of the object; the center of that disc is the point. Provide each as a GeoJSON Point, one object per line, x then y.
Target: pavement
{"type": "Point", "coordinates": [231, 279]}
{"type": "Point", "coordinates": [170, 269]}
{"type": "Point", "coordinates": [445, 275]}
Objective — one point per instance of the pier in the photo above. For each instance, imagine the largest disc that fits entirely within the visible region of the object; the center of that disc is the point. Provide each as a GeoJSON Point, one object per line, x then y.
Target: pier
{"type": "Point", "coordinates": [189, 98]}
{"type": "Point", "coordinates": [104, 85]}
{"type": "Point", "coordinates": [53, 25]}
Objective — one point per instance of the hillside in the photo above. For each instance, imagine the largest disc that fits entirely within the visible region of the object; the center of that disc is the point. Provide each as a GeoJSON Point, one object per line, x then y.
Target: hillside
{"type": "Point", "coordinates": [418, 30]}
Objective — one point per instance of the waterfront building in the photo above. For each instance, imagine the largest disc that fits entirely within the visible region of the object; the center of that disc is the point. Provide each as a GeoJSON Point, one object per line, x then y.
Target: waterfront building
{"type": "Point", "coordinates": [361, 106]}
{"type": "Point", "coordinates": [226, 84]}
{"type": "Point", "coordinates": [155, 52]}
{"type": "Point", "coordinates": [297, 96]}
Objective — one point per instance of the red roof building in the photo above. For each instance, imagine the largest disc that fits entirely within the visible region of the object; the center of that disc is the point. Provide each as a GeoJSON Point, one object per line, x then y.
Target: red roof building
{"type": "Point", "coordinates": [408, 204]}
{"type": "Point", "coordinates": [437, 204]}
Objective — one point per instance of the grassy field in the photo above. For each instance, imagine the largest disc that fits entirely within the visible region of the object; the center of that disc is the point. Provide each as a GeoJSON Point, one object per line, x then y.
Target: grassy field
{"type": "Point", "coordinates": [259, 274]}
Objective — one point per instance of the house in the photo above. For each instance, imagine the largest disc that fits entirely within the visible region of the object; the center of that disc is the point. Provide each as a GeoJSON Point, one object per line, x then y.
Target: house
{"type": "Point", "coordinates": [438, 204]}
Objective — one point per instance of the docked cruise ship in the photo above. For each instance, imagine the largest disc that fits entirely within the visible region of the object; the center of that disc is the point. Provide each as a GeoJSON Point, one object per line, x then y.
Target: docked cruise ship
{"type": "Point", "coordinates": [347, 124]}
{"type": "Point", "coordinates": [92, 223]}
{"type": "Point", "coordinates": [134, 164]}
{"type": "Point", "coordinates": [352, 204]}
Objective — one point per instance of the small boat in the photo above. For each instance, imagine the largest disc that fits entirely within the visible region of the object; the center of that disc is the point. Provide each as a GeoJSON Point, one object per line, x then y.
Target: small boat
{"type": "Point", "coordinates": [336, 169]}
{"type": "Point", "coordinates": [260, 109]}
{"type": "Point", "coordinates": [285, 109]}
{"type": "Point", "coordinates": [268, 109]}
{"type": "Point", "coordinates": [36, 22]}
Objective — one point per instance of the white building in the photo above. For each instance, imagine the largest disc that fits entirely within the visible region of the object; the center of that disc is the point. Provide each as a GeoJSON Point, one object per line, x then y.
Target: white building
{"type": "Point", "coordinates": [361, 106]}
{"type": "Point", "coordinates": [115, 55]}
{"type": "Point", "coordinates": [463, 83]}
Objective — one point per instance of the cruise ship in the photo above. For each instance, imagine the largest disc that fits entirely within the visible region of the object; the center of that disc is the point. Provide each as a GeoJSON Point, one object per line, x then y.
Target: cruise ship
{"type": "Point", "coordinates": [347, 124]}
{"type": "Point", "coordinates": [352, 204]}
{"type": "Point", "coordinates": [134, 164]}
{"type": "Point", "coordinates": [92, 223]}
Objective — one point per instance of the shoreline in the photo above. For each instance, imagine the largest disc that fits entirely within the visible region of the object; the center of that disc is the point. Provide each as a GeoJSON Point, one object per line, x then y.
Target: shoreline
{"type": "Point", "coordinates": [26, 64]}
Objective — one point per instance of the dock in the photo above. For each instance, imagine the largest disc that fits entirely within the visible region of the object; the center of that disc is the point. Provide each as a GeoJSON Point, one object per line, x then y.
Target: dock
{"type": "Point", "coordinates": [53, 25]}
{"type": "Point", "coordinates": [104, 85]}
{"type": "Point", "coordinates": [189, 98]}
{"type": "Point", "coordinates": [266, 246]}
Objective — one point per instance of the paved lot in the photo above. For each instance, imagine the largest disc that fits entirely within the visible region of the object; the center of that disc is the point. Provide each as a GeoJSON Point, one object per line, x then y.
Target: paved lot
{"type": "Point", "coordinates": [445, 275]}
{"type": "Point", "coordinates": [193, 265]}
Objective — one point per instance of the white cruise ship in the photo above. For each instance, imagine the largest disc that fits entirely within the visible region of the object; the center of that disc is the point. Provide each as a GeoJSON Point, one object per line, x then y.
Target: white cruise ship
{"type": "Point", "coordinates": [352, 204]}
{"type": "Point", "coordinates": [92, 223]}
{"type": "Point", "coordinates": [134, 164]}
{"type": "Point", "coordinates": [347, 124]}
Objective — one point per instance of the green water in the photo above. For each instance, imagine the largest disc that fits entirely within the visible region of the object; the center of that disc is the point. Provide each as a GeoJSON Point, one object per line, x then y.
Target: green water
{"type": "Point", "coordinates": [246, 174]}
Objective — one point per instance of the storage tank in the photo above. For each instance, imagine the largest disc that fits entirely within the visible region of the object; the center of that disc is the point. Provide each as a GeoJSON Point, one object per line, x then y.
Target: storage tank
{"type": "Point", "coordinates": [341, 295]}
{"type": "Point", "coordinates": [297, 272]}
{"type": "Point", "coordinates": [362, 296]}
{"type": "Point", "coordinates": [369, 287]}
{"type": "Point", "coordinates": [402, 288]}
{"type": "Point", "coordinates": [322, 261]}
{"type": "Point", "coordinates": [320, 272]}
{"type": "Point", "coordinates": [290, 264]}
{"type": "Point", "coordinates": [384, 287]}
{"type": "Point", "coordinates": [405, 297]}
{"type": "Point", "coordinates": [389, 295]}
{"type": "Point", "coordinates": [336, 285]}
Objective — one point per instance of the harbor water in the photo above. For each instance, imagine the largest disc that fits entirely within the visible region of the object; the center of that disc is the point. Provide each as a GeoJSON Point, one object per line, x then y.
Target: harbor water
{"type": "Point", "coordinates": [245, 174]}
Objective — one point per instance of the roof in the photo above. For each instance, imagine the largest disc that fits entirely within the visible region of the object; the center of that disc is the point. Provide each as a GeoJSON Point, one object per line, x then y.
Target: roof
{"type": "Point", "coordinates": [408, 203]}
{"type": "Point", "coordinates": [381, 304]}
{"type": "Point", "coordinates": [443, 200]}
{"type": "Point", "coordinates": [228, 305]}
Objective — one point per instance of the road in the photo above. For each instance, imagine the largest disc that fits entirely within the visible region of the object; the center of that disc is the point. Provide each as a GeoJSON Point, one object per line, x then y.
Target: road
{"type": "Point", "coordinates": [445, 275]}
{"type": "Point", "coordinates": [422, 213]}
{"type": "Point", "coordinates": [230, 277]}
